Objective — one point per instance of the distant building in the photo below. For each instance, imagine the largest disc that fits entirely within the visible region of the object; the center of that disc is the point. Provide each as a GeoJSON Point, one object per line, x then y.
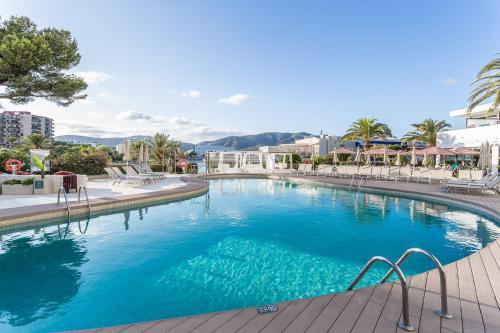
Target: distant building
{"type": "Point", "coordinates": [120, 148]}
{"type": "Point", "coordinates": [317, 146]}
{"type": "Point", "coordinates": [481, 126]}
{"type": "Point", "coordinates": [16, 125]}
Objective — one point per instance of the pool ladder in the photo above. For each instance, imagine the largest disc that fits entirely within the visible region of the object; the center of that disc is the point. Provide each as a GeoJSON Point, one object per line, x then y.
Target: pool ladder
{"type": "Point", "coordinates": [63, 191]}
{"type": "Point", "coordinates": [356, 183]}
{"type": "Point", "coordinates": [84, 188]}
{"type": "Point", "coordinates": [395, 267]}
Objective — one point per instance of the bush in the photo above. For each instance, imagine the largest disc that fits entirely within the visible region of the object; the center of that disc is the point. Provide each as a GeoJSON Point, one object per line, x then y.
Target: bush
{"type": "Point", "coordinates": [15, 154]}
{"type": "Point", "coordinates": [25, 182]}
{"type": "Point", "coordinates": [82, 160]}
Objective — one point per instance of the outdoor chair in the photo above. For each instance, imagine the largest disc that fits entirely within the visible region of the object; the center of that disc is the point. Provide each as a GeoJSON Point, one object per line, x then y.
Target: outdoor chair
{"type": "Point", "coordinates": [486, 183]}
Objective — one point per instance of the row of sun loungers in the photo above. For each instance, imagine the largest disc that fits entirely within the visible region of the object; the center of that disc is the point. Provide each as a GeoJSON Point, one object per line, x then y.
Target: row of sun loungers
{"type": "Point", "coordinates": [468, 179]}
{"type": "Point", "coordinates": [137, 175]}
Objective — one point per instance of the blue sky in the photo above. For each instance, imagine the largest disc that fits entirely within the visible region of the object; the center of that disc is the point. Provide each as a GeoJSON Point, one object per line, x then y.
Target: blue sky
{"type": "Point", "coordinates": [205, 69]}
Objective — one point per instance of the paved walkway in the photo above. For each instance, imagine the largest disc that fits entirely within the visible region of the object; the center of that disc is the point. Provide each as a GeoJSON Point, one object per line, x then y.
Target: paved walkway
{"type": "Point", "coordinates": [473, 294]}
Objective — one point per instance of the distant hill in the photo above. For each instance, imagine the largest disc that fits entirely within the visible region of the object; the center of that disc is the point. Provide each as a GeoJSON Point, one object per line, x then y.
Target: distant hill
{"type": "Point", "coordinates": [110, 142]}
{"type": "Point", "coordinates": [250, 142]}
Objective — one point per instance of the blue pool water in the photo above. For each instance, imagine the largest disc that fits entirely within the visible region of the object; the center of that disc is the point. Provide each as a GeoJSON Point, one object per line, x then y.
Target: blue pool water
{"type": "Point", "coordinates": [250, 242]}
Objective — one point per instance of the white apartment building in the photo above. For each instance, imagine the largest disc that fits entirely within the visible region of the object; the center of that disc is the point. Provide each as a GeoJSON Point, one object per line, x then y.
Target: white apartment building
{"type": "Point", "coordinates": [317, 146]}
{"type": "Point", "coordinates": [480, 126]}
{"type": "Point", "coordinates": [16, 125]}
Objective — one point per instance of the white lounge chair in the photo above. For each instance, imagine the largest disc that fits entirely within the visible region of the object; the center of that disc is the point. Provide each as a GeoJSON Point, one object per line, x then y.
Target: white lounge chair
{"type": "Point", "coordinates": [116, 178]}
{"type": "Point", "coordinates": [133, 172]}
{"type": "Point", "coordinates": [141, 179]}
{"type": "Point", "coordinates": [486, 183]}
{"type": "Point", "coordinates": [405, 173]}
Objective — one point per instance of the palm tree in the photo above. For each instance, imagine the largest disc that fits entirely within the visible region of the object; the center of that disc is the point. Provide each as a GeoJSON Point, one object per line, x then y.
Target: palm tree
{"type": "Point", "coordinates": [426, 131]}
{"type": "Point", "coordinates": [487, 85]}
{"type": "Point", "coordinates": [367, 129]}
{"type": "Point", "coordinates": [163, 149]}
{"type": "Point", "coordinates": [36, 141]}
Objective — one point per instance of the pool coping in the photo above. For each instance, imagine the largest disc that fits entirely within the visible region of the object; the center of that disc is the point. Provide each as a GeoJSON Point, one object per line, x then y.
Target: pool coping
{"type": "Point", "coordinates": [26, 215]}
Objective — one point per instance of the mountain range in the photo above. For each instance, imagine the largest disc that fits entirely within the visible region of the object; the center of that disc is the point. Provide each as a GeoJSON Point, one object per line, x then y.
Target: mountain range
{"type": "Point", "coordinates": [247, 142]}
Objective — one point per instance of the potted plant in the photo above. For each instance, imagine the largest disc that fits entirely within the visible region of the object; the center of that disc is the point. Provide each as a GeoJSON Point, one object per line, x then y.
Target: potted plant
{"type": "Point", "coordinates": [39, 184]}
{"type": "Point", "coordinates": [18, 187]}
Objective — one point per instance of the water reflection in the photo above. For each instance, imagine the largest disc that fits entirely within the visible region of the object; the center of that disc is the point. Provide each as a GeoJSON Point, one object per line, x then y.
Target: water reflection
{"type": "Point", "coordinates": [39, 273]}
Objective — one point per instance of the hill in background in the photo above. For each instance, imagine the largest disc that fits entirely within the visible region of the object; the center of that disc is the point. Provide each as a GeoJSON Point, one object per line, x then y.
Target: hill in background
{"type": "Point", "coordinates": [256, 140]}
{"type": "Point", "coordinates": [247, 142]}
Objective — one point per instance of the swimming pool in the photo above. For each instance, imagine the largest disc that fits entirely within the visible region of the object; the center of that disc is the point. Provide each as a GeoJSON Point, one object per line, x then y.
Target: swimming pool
{"type": "Point", "coordinates": [248, 242]}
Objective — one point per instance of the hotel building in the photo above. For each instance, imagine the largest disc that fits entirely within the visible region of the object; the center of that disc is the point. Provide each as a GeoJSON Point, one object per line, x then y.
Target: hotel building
{"type": "Point", "coordinates": [16, 125]}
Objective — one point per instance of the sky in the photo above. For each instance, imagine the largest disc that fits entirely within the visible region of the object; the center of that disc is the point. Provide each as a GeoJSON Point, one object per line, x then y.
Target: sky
{"type": "Point", "coordinates": [201, 70]}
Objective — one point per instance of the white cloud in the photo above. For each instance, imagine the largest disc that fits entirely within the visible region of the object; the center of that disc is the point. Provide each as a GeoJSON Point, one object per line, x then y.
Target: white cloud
{"type": "Point", "coordinates": [449, 81]}
{"type": "Point", "coordinates": [92, 77]}
{"type": "Point", "coordinates": [133, 115]}
{"type": "Point", "coordinates": [234, 99]}
{"type": "Point", "coordinates": [191, 94]}
{"type": "Point", "coordinates": [105, 95]}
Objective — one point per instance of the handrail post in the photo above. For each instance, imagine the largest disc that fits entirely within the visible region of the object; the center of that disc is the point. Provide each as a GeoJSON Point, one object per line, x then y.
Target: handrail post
{"type": "Point", "coordinates": [86, 195]}
{"type": "Point", "coordinates": [65, 198]}
{"type": "Point", "coordinates": [443, 312]}
{"type": "Point", "coordinates": [405, 324]}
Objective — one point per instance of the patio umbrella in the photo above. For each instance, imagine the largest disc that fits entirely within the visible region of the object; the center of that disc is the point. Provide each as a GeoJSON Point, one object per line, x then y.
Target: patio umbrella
{"type": "Point", "coordinates": [146, 154]}
{"type": "Point", "coordinates": [487, 155]}
{"type": "Point", "coordinates": [398, 159]}
{"type": "Point", "coordinates": [368, 159]}
{"type": "Point", "coordinates": [425, 161]}
{"type": "Point", "coordinates": [386, 157]}
{"type": "Point", "coordinates": [413, 156]}
{"type": "Point", "coordinates": [126, 156]}
{"type": "Point", "coordinates": [140, 158]}
{"type": "Point", "coordinates": [335, 157]}
{"type": "Point", "coordinates": [357, 159]}
{"type": "Point", "coordinates": [343, 150]}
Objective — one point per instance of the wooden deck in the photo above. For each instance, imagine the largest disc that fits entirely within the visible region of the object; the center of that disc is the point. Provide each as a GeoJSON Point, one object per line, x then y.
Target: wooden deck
{"type": "Point", "coordinates": [473, 295]}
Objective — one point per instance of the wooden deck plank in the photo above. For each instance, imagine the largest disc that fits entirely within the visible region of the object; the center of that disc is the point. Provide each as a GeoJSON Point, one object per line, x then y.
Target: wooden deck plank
{"type": "Point", "coordinates": [368, 318]}
{"type": "Point", "coordinates": [216, 321]}
{"type": "Point", "coordinates": [165, 325]}
{"type": "Point", "coordinates": [486, 297]}
{"type": "Point", "coordinates": [139, 328]}
{"type": "Point", "coordinates": [416, 298]}
{"type": "Point", "coordinates": [114, 329]}
{"type": "Point", "coordinates": [352, 311]}
{"type": "Point", "coordinates": [430, 322]}
{"type": "Point", "coordinates": [388, 320]}
{"type": "Point", "coordinates": [495, 251]}
{"type": "Point", "coordinates": [454, 324]}
{"type": "Point", "coordinates": [191, 323]}
{"type": "Point", "coordinates": [280, 322]}
{"type": "Point", "coordinates": [471, 314]}
{"type": "Point", "coordinates": [238, 321]}
{"type": "Point", "coordinates": [260, 321]}
{"type": "Point", "coordinates": [330, 313]}
{"type": "Point", "coordinates": [308, 315]}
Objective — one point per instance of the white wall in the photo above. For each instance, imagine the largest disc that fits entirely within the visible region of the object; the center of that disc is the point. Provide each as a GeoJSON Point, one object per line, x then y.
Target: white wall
{"type": "Point", "coordinates": [469, 137]}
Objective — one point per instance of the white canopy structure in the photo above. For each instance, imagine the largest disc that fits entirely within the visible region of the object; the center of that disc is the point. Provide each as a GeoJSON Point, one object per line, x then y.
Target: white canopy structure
{"type": "Point", "coordinates": [249, 162]}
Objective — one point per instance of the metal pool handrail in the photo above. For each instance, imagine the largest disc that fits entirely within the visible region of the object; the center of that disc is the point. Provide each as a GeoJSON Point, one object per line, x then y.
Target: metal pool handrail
{"type": "Point", "coordinates": [405, 324]}
{"type": "Point", "coordinates": [86, 195]}
{"type": "Point", "coordinates": [443, 312]}
{"type": "Point", "coordinates": [65, 198]}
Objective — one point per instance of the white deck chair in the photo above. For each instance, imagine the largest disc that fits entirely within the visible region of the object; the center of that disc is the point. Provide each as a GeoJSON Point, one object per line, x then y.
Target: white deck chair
{"type": "Point", "coordinates": [405, 173]}
{"type": "Point", "coordinates": [491, 183]}
{"type": "Point", "coordinates": [476, 175]}
{"type": "Point", "coordinates": [143, 180]}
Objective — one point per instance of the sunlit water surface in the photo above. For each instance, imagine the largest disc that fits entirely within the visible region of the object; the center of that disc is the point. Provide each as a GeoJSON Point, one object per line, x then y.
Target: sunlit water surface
{"type": "Point", "coordinates": [249, 242]}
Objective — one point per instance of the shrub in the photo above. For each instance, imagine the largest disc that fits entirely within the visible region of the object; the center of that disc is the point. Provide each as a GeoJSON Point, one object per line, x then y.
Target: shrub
{"type": "Point", "coordinates": [25, 182]}
{"type": "Point", "coordinates": [82, 160]}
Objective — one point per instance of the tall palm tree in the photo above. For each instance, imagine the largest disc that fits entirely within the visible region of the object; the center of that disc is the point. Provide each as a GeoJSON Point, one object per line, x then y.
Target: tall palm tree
{"type": "Point", "coordinates": [367, 129]}
{"type": "Point", "coordinates": [36, 141]}
{"type": "Point", "coordinates": [426, 131]}
{"type": "Point", "coordinates": [163, 149]}
{"type": "Point", "coordinates": [487, 85]}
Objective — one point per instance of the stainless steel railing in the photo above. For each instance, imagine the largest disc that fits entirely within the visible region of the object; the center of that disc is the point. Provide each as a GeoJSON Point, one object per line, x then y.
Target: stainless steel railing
{"type": "Point", "coordinates": [405, 323]}
{"type": "Point", "coordinates": [86, 195]}
{"type": "Point", "coordinates": [443, 312]}
{"type": "Point", "coordinates": [63, 190]}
